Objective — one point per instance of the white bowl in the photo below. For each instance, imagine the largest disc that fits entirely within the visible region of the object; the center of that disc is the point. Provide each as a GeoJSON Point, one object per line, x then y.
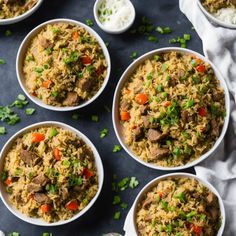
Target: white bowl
{"type": "Point", "coordinates": [213, 18]}
{"type": "Point", "coordinates": [21, 55]}
{"type": "Point", "coordinates": [21, 17]}
{"type": "Point", "coordinates": [115, 109]}
{"type": "Point", "coordinates": [130, 223]}
{"type": "Point", "coordinates": [113, 31]}
{"type": "Point", "coordinates": [38, 221]}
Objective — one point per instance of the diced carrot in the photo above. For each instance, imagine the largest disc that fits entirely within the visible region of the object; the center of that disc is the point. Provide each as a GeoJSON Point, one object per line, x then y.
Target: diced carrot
{"type": "Point", "coordinates": [57, 154]}
{"type": "Point", "coordinates": [160, 194]}
{"type": "Point", "coordinates": [45, 208]}
{"type": "Point", "coordinates": [124, 115]}
{"type": "Point", "coordinates": [202, 111]}
{"type": "Point", "coordinates": [141, 98]}
{"type": "Point", "coordinates": [72, 205]}
{"type": "Point", "coordinates": [86, 60]}
{"type": "Point", "coordinates": [8, 181]}
{"type": "Point", "coordinates": [166, 103]}
{"type": "Point", "coordinates": [75, 35]}
{"type": "Point", "coordinates": [46, 84]}
{"type": "Point", "coordinates": [196, 229]}
{"type": "Point", "coordinates": [201, 68]}
{"type": "Point", "coordinates": [37, 137]}
{"type": "Point", "coordinates": [87, 173]}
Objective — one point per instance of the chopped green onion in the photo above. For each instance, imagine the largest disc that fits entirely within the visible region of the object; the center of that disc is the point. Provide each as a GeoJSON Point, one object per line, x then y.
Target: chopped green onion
{"type": "Point", "coordinates": [29, 111]}
{"type": "Point", "coordinates": [4, 175]}
{"type": "Point", "coordinates": [48, 51]}
{"type": "Point", "coordinates": [133, 182]}
{"type": "Point", "coordinates": [14, 234]}
{"type": "Point", "coordinates": [117, 215]}
{"type": "Point", "coordinates": [89, 22]}
{"type": "Point", "coordinates": [188, 104]}
{"type": "Point", "coordinates": [53, 132]}
{"type": "Point", "coordinates": [123, 184]}
{"type": "Point", "coordinates": [181, 197]}
{"type": "Point", "coordinates": [165, 30]}
{"type": "Point", "coordinates": [116, 148]}
{"type": "Point", "coordinates": [54, 93]}
{"type": "Point", "coordinates": [153, 39]}
{"type": "Point", "coordinates": [8, 33]}
{"type": "Point", "coordinates": [123, 205]}
{"type": "Point", "coordinates": [66, 163]}
{"type": "Point", "coordinates": [2, 130]}
{"type": "Point", "coordinates": [160, 88]}
{"type": "Point", "coordinates": [116, 200]}
{"type": "Point", "coordinates": [156, 57]}
{"type": "Point", "coordinates": [104, 133]}
{"type": "Point", "coordinates": [38, 70]}
{"type": "Point", "coordinates": [2, 61]}
{"type": "Point", "coordinates": [95, 118]}
{"type": "Point", "coordinates": [47, 234]}
{"type": "Point", "coordinates": [187, 37]}
{"type": "Point", "coordinates": [29, 58]}
{"type": "Point", "coordinates": [134, 55]}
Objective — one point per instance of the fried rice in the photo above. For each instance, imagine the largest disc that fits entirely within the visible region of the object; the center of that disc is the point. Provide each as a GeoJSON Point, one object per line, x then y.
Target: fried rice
{"type": "Point", "coordinates": [172, 109]}
{"type": "Point", "coordinates": [178, 207]}
{"type": "Point", "coordinates": [50, 173]}
{"type": "Point", "coordinates": [64, 65]}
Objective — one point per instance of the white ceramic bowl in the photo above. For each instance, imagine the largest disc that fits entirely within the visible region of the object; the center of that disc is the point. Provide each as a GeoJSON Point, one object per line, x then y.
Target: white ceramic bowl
{"type": "Point", "coordinates": [213, 18]}
{"type": "Point", "coordinates": [21, 17]}
{"type": "Point", "coordinates": [38, 221]}
{"type": "Point", "coordinates": [21, 55]}
{"type": "Point", "coordinates": [130, 223]}
{"type": "Point", "coordinates": [113, 31]}
{"type": "Point", "coordinates": [115, 109]}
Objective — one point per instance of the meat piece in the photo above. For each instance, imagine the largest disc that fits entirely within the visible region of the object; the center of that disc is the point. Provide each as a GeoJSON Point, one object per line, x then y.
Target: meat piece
{"type": "Point", "coordinates": [138, 133]}
{"type": "Point", "coordinates": [19, 198]}
{"type": "Point", "coordinates": [214, 212]}
{"type": "Point", "coordinates": [147, 202]}
{"type": "Point", "coordinates": [217, 97]}
{"type": "Point", "coordinates": [143, 109]}
{"type": "Point", "coordinates": [32, 188]}
{"type": "Point", "coordinates": [41, 180]}
{"type": "Point", "coordinates": [125, 105]}
{"type": "Point", "coordinates": [71, 99]}
{"type": "Point", "coordinates": [186, 117]}
{"type": "Point", "coordinates": [157, 152]}
{"type": "Point", "coordinates": [215, 131]}
{"type": "Point", "coordinates": [45, 43]}
{"type": "Point", "coordinates": [147, 124]}
{"type": "Point", "coordinates": [85, 84]}
{"type": "Point", "coordinates": [20, 2]}
{"type": "Point", "coordinates": [173, 81]}
{"type": "Point", "coordinates": [29, 158]}
{"type": "Point", "coordinates": [42, 198]}
{"type": "Point", "coordinates": [154, 135]}
{"type": "Point", "coordinates": [65, 193]}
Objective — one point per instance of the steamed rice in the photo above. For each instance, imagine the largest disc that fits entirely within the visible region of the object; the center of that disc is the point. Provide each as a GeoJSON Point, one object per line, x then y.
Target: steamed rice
{"type": "Point", "coordinates": [50, 173]}
{"type": "Point", "coordinates": [13, 8]}
{"type": "Point", "coordinates": [178, 207]}
{"type": "Point", "coordinates": [64, 65]}
{"type": "Point", "coordinates": [172, 109]}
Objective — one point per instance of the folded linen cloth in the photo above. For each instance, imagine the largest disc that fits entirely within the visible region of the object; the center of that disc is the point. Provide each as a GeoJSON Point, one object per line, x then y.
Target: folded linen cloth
{"type": "Point", "coordinates": [219, 46]}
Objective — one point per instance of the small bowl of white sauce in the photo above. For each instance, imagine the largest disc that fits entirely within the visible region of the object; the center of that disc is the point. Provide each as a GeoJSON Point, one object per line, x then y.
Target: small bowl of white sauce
{"type": "Point", "coordinates": [114, 16]}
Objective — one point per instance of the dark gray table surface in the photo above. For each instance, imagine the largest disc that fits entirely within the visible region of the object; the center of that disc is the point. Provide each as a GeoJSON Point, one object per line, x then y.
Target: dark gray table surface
{"type": "Point", "coordinates": [99, 219]}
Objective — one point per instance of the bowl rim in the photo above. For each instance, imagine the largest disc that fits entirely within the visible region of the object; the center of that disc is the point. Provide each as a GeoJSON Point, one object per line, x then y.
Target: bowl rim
{"type": "Point", "coordinates": [113, 31]}
{"type": "Point", "coordinates": [153, 182]}
{"type": "Point", "coordinates": [130, 69]}
{"type": "Point", "coordinates": [24, 46]}
{"type": "Point", "coordinates": [97, 160]}
{"type": "Point", "coordinates": [214, 19]}
{"type": "Point", "coordinates": [21, 17]}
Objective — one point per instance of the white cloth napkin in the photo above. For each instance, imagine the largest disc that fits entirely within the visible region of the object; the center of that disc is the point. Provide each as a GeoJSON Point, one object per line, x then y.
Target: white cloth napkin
{"type": "Point", "coordinates": [219, 45]}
